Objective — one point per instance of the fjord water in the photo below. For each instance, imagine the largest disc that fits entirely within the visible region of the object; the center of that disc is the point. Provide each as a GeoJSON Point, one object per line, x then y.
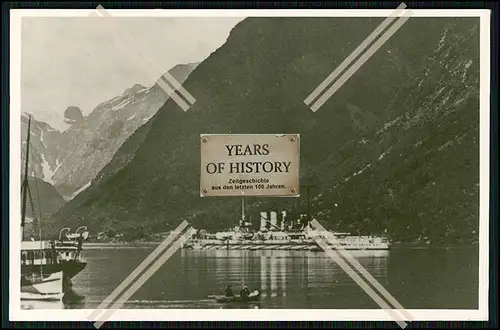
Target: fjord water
{"type": "Point", "coordinates": [419, 278]}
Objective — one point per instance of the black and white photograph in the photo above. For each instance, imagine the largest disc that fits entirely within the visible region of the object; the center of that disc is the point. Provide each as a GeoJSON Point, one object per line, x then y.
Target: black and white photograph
{"type": "Point", "coordinates": [292, 165]}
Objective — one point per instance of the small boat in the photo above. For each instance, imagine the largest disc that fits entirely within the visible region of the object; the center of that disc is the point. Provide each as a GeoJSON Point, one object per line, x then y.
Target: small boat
{"type": "Point", "coordinates": [38, 287]}
{"type": "Point", "coordinates": [252, 297]}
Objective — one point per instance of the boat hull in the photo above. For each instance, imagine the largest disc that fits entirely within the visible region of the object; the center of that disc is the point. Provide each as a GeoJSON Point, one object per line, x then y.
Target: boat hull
{"type": "Point", "coordinates": [236, 299]}
{"type": "Point", "coordinates": [48, 287]}
{"type": "Point", "coordinates": [70, 268]}
{"type": "Point", "coordinates": [41, 297]}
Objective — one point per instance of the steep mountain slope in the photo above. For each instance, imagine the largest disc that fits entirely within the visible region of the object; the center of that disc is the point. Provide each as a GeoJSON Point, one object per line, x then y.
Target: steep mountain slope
{"type": "Point", "coordinates": [396, 147]}
{"type": "Point", "coordinates": [75, 156]}
{"type": "Point", "coordinates": [46, 200]}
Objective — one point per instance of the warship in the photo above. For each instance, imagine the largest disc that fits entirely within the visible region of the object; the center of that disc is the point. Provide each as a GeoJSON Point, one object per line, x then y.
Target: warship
{"type": "Point", "coordinates": [276, 233]}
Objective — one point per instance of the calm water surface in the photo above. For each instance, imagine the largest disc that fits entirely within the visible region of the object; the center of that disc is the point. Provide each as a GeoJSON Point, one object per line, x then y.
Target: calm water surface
{"type": "Point", "coordinates": [417, 278]}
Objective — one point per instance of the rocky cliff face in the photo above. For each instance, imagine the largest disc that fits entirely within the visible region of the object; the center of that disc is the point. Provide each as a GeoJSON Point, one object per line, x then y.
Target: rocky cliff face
{"type": "Point", "coordinates": [73, 115]}
{"type": "Point", "coordinates": [71, 159]}
{"type": "Point", "coordinates": [43, 158]}
{"type": "Point", "coordinates": [396, 148]}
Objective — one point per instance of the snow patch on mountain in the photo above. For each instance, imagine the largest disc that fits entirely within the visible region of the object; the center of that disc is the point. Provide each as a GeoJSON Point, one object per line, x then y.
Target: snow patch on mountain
{"type": "Point", "coordinates": [41, 138]}
{"type": "Point", "coordinates": [47, 172]}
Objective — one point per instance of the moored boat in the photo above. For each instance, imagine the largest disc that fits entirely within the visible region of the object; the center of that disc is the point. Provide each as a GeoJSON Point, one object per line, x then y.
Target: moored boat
{"type": "Point", "coordinates": [64, 254]}
{"type": "Point", "coordinates": [46, 266]}
{"type": "Point", "coordinates": [51, 257]}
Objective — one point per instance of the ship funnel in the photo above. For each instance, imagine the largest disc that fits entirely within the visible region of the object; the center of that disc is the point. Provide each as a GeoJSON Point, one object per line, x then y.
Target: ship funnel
{"type": "Point", "coordinates": [263, 221]}
{"type": "Point", "coordinates": [274, 219]}
{"type": "Point", "coordinates": [283, 220]}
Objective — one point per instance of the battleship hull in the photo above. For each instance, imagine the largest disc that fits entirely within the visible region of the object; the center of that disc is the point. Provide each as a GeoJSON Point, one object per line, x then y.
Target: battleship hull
{"type": "Point", "coordinates": [273, 245]}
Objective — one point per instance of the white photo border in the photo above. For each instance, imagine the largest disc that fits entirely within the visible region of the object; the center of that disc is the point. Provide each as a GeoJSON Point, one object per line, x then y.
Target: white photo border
{"type": "Point", "coordinates": [17, 314]}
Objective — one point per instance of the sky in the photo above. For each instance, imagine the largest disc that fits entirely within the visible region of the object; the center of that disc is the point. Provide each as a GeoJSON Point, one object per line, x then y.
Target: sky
{"type": "Point", "coordinates": [85, 61]}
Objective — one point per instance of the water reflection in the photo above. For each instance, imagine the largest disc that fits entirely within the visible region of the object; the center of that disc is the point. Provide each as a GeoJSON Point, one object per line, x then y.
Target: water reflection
{"type": "Point", "coordinates": [278, 274]}
{"type": "Point", "coordinates": [74, 300]}
{"type": "Point", "coordinates": [286, 279]}
{"type": "Point", "coordinates": [41, 305]}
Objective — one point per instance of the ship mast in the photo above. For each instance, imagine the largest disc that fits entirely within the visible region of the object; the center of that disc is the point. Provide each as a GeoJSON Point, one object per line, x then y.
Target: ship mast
{"type": "Point", "coordinates": [25, 186]}
{"type": "Point", "coordinates": [241, 227]}
{"type": "Point", "coordinates": [308, 187]}
{"type": "Point", "coordinates": [242, 210]}
{"type": "Point", "coordinates": [26, 192]}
